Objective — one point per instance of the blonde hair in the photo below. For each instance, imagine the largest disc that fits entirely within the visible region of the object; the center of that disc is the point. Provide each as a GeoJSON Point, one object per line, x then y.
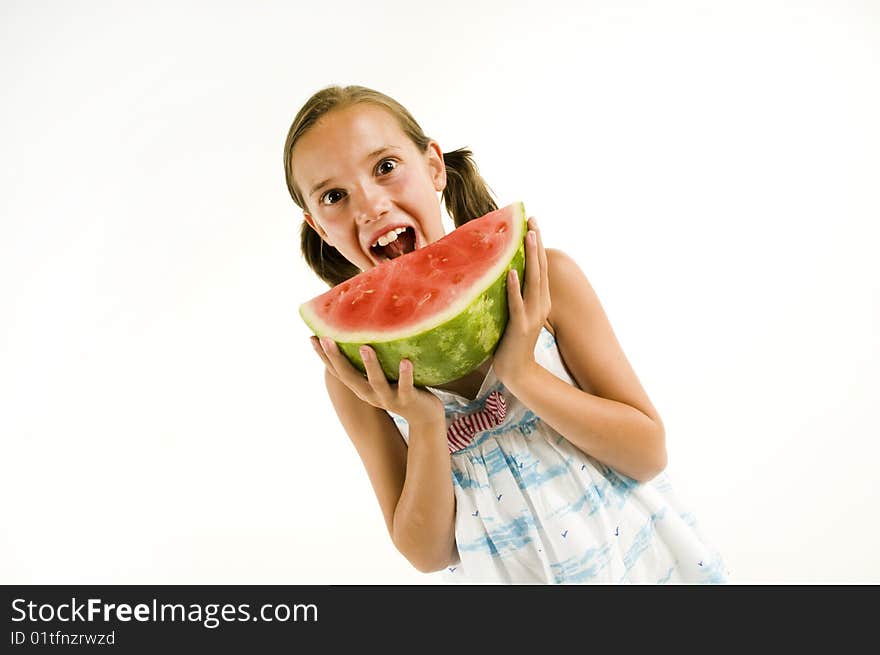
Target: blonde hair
{"type": "Point", "coordinates": [466, 196]}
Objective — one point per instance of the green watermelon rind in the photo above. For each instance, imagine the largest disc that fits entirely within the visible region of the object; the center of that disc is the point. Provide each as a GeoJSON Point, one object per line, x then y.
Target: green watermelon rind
{"type": "Point", "coordinates": [441, 354]}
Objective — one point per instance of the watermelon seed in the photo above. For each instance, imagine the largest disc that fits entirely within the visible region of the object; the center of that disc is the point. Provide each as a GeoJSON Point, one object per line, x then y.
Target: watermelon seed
{"type": "Point", "coordinates": [444, 259]}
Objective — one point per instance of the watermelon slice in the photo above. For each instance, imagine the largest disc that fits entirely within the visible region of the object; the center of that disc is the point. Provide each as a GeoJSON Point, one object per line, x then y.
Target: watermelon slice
{"type": "Point", "coordinates": [443, 306]}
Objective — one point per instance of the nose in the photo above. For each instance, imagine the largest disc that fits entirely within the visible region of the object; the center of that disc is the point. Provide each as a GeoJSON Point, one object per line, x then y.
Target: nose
{"type": "Point", "coordinates": [372, 203]}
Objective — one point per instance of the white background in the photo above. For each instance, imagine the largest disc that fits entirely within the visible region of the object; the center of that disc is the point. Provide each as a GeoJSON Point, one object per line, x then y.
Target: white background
{"type": "Point", "coordinates": [713, 168]}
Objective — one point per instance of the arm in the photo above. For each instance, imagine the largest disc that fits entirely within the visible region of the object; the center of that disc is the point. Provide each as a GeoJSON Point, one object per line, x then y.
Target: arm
{"type": "Point", "coordinates": [424, 519]}
{"type": "Point", "coordinates": [413, 485]}
{"type": "Point", "coordinates": [610, 416]}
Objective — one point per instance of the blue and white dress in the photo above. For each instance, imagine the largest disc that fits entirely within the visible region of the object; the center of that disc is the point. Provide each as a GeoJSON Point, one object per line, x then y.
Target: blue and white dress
{"type": "Point", "coordinates": [531, 508]}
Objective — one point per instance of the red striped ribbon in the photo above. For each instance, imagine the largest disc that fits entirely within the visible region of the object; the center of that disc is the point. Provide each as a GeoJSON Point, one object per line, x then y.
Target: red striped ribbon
{"type": "Point", "coordinates": [462, 430]}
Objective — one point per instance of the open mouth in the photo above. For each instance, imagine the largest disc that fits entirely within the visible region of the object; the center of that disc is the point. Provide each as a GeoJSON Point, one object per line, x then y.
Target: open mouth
{"type": "Point", "coordinates": [394, 243]}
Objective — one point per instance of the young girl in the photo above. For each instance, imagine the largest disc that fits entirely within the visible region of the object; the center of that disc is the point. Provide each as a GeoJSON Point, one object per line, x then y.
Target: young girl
{"type": "Point", "coordinates": [544, 465]}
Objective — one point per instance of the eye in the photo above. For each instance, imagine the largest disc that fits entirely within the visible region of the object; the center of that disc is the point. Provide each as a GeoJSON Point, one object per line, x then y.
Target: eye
{"type": "Point", "coordinates": [326, 198]}
{"type": "Point", "coordinates": [385, 170]}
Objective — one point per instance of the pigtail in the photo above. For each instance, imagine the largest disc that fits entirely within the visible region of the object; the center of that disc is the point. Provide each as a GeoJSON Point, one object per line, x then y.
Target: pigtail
{"type": "Point", "coordinates": [467, 196]}
{"type": "Point", "coordinates": [325, 260]}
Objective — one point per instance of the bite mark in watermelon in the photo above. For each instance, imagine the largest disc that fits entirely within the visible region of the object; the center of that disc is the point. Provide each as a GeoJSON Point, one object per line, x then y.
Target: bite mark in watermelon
{"type": "Point", "coordinates": [443, 306]}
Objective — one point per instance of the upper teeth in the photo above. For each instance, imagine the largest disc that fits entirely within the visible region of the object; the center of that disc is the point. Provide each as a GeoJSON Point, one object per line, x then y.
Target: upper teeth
{"type": "Point", "coordinates": [390, 236]}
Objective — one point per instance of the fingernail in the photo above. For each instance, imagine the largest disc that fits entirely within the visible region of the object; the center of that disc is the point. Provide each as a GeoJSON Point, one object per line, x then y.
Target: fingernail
{"type": "Point", "coordinates": [326, 342]}
{"type": "Point", "coordinates": [365, 352]}
{"type": "Point", "coordinates": [531, 236]}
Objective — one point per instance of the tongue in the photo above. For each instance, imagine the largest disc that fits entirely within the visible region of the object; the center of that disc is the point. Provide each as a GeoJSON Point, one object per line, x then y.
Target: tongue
{"type": "Point", "coordinates": [404, 243]}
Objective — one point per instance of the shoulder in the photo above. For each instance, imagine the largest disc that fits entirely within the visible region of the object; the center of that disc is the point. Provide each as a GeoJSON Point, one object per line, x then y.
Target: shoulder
{"type": "Point", "coordinates": [357, 415]}
{"type": "Point", "coordinates": [587, 342]}
{"type": "Point", "coordinates": [372, 430]}
{"type": "Point", "coordinates": [558, 260]}
{"type": "Point", "coordinates": [561, 267]}
{"type": "Point", "coordinates": [567, 283]}
{"type": "Point", "coordinates": [348, 406]}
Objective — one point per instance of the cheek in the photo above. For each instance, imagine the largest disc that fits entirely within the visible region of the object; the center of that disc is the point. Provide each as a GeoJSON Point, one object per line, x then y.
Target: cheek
{"type": "Point", "coordinates": [335, 227]}
{"type": "Point", "coordinates": [406, 182]}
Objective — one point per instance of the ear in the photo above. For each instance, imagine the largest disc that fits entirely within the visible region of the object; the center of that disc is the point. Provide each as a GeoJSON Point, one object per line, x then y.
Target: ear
{"type": "Point", "coordinates": [436, 165]}
{"type": "Point", "coordinates": [317, 228]}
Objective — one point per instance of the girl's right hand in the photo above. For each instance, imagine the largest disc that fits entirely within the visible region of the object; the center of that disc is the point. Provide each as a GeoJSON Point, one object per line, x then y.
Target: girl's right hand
{"type": "Point", "coordinates": [416, 406]}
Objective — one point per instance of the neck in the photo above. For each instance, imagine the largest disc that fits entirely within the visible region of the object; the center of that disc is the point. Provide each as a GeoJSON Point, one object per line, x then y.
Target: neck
{"type": "Point", "coordinates": [469, 385]}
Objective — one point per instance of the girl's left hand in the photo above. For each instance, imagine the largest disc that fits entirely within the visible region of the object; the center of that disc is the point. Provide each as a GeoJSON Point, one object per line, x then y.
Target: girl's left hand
{"type": "Point", "coordinates": [528, 312]}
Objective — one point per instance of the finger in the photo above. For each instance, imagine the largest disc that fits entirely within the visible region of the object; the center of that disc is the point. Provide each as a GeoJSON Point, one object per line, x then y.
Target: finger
{"type": "Point", "coordinates": [318, 349]}
{"type": "Point", "coordinates": [514, 299]}
{"type": "Point", "coordinates": [533, 270]}
{"type": "Point", "coordinates": [405, 378]}
{"type": "Point", "coordinates": [545, 277]}
{"type": "Point", "coordinates": [375, 374]}
{"type": "Point", "coordinates": [344, 370]}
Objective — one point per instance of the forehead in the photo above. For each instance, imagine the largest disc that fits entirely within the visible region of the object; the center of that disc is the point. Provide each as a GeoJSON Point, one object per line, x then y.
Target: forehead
{"type": "Point", "coordinates": [344, 137]}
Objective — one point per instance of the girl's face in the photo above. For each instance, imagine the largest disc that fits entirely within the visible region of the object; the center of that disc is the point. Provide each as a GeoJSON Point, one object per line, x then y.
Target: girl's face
{"type": "Point", "coordinates": [363, 179]}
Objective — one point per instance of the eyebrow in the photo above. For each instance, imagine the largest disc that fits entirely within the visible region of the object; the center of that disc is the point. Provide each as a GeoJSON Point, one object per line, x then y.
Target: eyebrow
{"type": "Point", "coordinates": [379, 151]}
